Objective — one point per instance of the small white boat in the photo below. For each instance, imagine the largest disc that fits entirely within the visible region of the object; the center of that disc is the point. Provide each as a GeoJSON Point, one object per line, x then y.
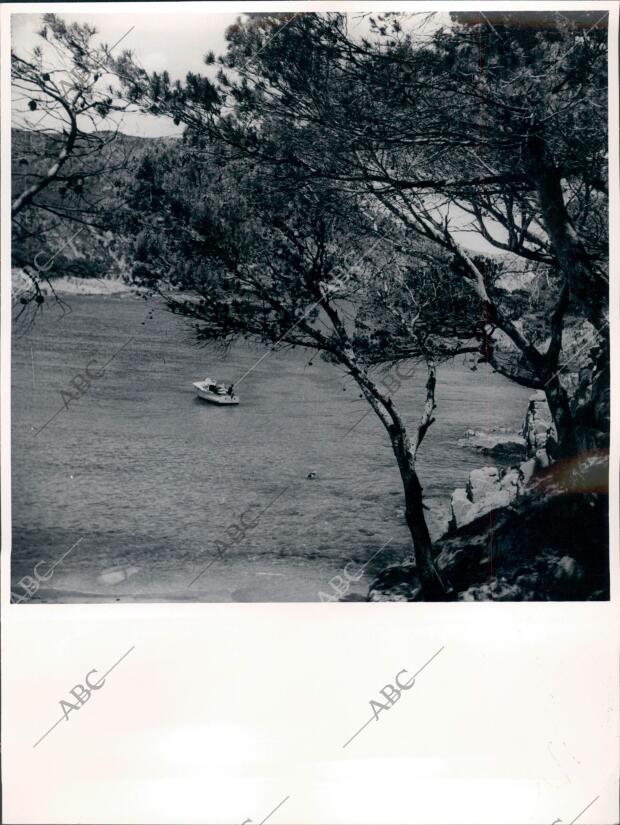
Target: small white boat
{"type": "Point", "coordinates": [216, 393]}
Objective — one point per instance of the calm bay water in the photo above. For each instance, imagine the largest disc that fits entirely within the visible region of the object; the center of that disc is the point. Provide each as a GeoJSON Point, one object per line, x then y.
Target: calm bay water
{"type": "Point", "coordinates": [149, 477]}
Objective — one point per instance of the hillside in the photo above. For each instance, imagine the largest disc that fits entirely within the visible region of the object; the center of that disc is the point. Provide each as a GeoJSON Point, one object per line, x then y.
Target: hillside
{"type": "Point", "coordinates": [72, 230]}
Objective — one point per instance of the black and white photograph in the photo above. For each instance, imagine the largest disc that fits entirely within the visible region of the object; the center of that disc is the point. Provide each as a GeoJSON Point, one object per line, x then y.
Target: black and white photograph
{"type": "Point", "coordinates": [309, 437]}
{"type": "Point", "coordinates": [310, 307]}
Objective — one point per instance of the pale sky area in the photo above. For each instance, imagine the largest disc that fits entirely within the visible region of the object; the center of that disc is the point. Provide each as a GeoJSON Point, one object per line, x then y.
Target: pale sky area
{"type": "Point", "coordinates": [176, 42]}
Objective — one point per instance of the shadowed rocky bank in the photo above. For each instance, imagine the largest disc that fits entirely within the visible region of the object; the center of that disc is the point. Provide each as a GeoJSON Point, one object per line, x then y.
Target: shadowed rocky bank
{"type": "Point", "coordinates": [550, 545]}
{"type": "Point", "coordinates": [536, 531]}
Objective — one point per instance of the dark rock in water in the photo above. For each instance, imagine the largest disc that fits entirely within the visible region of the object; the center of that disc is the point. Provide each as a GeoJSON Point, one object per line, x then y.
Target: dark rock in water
{"type": "Point", "coordinates": [534, 531]}
{"type": "Point", "coordinates": [500, 445]}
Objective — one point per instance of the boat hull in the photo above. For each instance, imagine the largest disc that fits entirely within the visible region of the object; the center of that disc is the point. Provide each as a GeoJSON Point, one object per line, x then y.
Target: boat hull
{"type": "Point", "coordinates": [214, 398]}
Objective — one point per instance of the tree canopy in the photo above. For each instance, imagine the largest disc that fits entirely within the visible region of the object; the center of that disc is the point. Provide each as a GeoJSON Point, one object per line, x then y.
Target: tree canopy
{"type": "Point", "coordinates": [490, 127]}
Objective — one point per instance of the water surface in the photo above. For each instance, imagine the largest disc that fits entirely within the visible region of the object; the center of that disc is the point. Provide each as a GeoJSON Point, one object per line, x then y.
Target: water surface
{"type": "Point", "coordinates": [150, 478]}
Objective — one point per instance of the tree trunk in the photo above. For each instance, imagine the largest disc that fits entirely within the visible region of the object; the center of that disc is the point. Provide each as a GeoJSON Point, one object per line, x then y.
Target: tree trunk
{"type": "Point", "coordinates": [587, 288]}
{"type": "Point", "coordinates": [590, 291]}
{"type": "Point", "coordinates": [433, 589]}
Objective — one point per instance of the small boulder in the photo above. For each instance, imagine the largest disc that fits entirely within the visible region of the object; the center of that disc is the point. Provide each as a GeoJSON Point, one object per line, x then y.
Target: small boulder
{"type": "Point", "coordinates": [116, 575]}
{"type": "Point", "coordinates": [567, 568]}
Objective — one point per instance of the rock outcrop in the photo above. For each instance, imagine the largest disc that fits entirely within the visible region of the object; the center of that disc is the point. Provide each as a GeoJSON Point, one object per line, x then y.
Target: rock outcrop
{"type": "Point", "coordinates": [490, 488]}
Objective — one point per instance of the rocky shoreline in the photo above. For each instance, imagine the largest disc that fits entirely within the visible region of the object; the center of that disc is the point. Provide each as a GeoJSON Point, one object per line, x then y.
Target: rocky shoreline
{"type": "Point", "coordinates": [533, 530]}
{"type": "Point", "coordinates": [491, 487]}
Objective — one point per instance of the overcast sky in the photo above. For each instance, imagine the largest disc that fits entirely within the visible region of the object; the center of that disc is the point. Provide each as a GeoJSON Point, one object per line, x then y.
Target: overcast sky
{"type": "Point", "coordinates": [176, 42]}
